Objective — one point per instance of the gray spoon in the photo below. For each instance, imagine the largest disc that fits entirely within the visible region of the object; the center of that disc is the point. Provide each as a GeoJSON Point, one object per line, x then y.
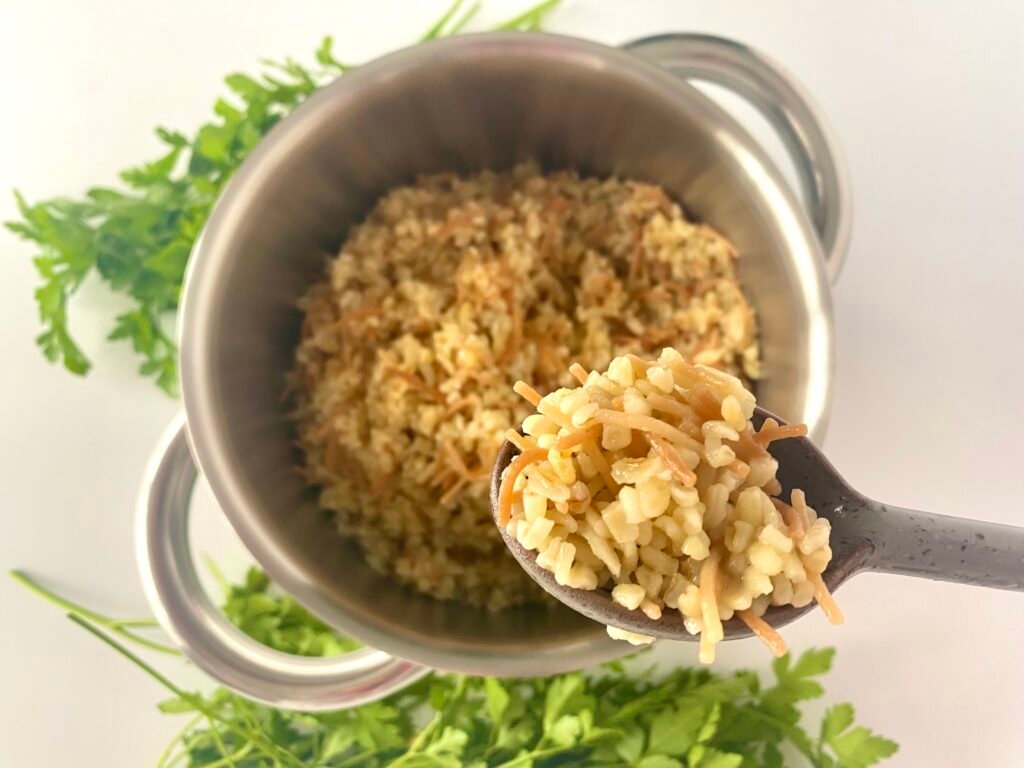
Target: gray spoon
{"type": "Point", "coordinates": [866, 536]}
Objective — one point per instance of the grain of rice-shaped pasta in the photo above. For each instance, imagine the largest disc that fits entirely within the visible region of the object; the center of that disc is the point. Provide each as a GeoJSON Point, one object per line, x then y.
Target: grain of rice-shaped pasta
{"type": "Point", "coordinates": [649, 480]}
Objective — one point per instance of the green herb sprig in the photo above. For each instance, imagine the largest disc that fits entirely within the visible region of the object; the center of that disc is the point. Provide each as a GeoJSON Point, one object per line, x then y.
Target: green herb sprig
{"type": "Point", "coordinates": [615, 716]}
{"type": "Point", "coordinates": [137, 238]}
{"type": "Point", "coordinates": [277, 620]}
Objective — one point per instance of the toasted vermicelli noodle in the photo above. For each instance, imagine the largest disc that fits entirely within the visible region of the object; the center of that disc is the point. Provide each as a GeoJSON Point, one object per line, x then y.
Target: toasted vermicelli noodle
{"type": "Point", "coordinates": [825, 600]}
{"type": "Point", "coordinates": [579, 372]}
{"type": "Point", "coordinates": [793, 518]}
{"type": "Point", "coordinates": [517, 440]}
{"type": "Point", "coordinates": [771, 431]}
{"type": "Point", "coordinates": [674, 461]}
{"type": "Point", "coordinates": [519, 463]}
{"type": "Point", "coordinates": [648, 425]}
{"type": "Point", "coordinates": [764, 631]}
{"type": "Point", "coordinates": [528, 393]}
{"type": "Point", "coordinates": [708, 586]}
{"type": "Point", "coordinates": [661, 492]}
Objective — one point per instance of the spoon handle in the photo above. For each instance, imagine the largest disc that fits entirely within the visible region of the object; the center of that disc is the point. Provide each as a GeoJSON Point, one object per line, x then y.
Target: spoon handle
{"type": "Point", "coordinates": [944, 548]}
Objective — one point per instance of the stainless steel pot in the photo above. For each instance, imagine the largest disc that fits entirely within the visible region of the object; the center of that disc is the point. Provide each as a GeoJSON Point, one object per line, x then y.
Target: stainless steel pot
{"type": "Point", "coordinates": [457, 104]}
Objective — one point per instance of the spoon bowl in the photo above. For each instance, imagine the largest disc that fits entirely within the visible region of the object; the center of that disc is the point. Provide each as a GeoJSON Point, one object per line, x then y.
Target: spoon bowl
{"type": "Point", "coordinates": [866, 535]}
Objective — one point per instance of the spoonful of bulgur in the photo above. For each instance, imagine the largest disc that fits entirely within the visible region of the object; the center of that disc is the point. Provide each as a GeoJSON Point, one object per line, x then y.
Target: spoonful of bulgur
{"type": "Point", "coordinates": [659, 500]}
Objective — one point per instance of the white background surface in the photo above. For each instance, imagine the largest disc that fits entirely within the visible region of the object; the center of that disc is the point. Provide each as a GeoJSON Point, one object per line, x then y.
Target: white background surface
{"type": "Point", "coordinates": [928, 99]}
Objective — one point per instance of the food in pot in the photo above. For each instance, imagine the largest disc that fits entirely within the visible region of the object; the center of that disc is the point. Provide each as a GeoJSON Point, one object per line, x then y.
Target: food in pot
{"type": "Point", "coordinates": [451, 290]}
{"type": "Point", "coordinates": [648, 480]}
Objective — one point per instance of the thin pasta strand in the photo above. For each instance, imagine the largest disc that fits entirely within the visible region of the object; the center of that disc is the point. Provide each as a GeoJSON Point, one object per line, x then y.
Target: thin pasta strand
{"type": "Point", "coordinates": [647, 424]}
{"type": "Point", "coordinates": [745, 448]}
{"type": "Point", "coordinates": [579, 373]}
{"type": "Point", "coordinates": [459, 405]}
{"type": "Point", "coordinates": [674, 461]}
{"type": "Point", "coordinates": [555, 414]}
{"type": "Point", "coordinates": [769, 434]}
{"type": "Point", "coordinates": [417, 383]}
{"type": "Point", "coordinates": [574, 438]}
{"type": "Point", "coordinates": [692, 427]}
{"type": "Point", "coordinates": [533, 397]}
{"type": "Point", "coordinates": [517, 465]}
{"type": "Point", "coordinates": [701, 376]}
{"type": "Point", "coordinates": [741, 468]}
{"type": "Point", "coordinates": [793, 518]}
{"type": "Point", "coordinates": [709, 599]}
{"type": "Point", "coordinates": [452, 492]}
{"type": "Point", "coordinates": [528, 393]}
{"type": "Point", "coordinates": [520, 442]}
{"type": "Point", "coordinates": [660, 402]}
{"type": "Point", "coordinates": [706, 652]}
{"type": "Point", "coordinates": [799, 501]}
{"type": "Point", "coordinates": [764, 631]}
{"type": "Point", "coordinates": [828, 603]}
{"type": "Point", "coordinates": [515, 338]}
{"type": "Point", "coordinates": [454, 457]}
{"type": "Point", "coordinates": [706, 404]}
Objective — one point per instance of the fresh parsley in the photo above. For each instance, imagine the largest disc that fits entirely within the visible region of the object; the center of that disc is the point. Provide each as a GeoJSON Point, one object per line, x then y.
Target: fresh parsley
{"type": "Point", "coordinates": [137, 238]}
{"type": "Point", "coordinates": [276, 619]}
{"type": "Point", "coordinates": [619, 715]}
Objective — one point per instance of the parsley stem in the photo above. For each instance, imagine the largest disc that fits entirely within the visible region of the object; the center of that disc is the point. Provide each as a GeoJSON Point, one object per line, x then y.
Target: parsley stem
{"type": "Point", "coordinates": [531, 18]}
{"type": "Point", "coordinates": [165, 757]}
{"type": "Point", "coordinates": [794, 734]}
{"type": "Point", "coordinates": [138, 661]}
{"type": "Point", "coordinates": [218, 575]}
{"type": "Point", "coordinates": [458, 692]}
{"type": "Point", "coordinates": [228, 759]}
{"type": "Point", "coordinates": [254, 737]}
{"type": "Point", "coordinates": [34, 586]}
{"type": "Point", "coordinates": [437, 30]}
{"type": "Point", "coordinates": [463, 20]}
{"type": "Point", "coordinates": [117, 626]}
{"type": "Point", "coordinates": [225, 757]}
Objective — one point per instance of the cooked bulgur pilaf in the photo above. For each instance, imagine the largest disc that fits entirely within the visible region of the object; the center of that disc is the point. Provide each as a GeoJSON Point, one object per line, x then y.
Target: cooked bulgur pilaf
{"type": "Point", "coordinates": [452, 289]}
{"type": "Point", "coordinates": [649, 481]}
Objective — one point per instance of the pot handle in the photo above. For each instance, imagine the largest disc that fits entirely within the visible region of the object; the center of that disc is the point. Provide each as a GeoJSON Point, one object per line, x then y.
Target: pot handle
{"type": "Point", "coordinates": [223, 651]}
{"type": "Point", "coordinates": [783, 102]}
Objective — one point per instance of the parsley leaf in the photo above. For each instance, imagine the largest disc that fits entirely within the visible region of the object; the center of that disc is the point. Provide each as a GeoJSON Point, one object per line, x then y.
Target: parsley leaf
{"type": "Point", "coordinates": [674, 731]}
{"type": "Point", "coordinates": [855, 747]}
{"type": "Point", "coordinates": [497, 698]}
{"type": "Point", "coordinates": [659, 761]}
{"type": "Point", "coordinates": [795, 682]}
{"type": "Point", "coordinates": [715, 759]}
{"type": "Point", "coordinates": [564, 695]}
{"type": "Point", "coordinates": [137, 239]}
{"type": "Point", "coordinates": [280, 622]}
{"type": "Point", "coordinates": [837, 719]}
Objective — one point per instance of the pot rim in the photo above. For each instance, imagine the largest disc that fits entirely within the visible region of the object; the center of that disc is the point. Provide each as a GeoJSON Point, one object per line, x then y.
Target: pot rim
{"type": "Point", "coordinates": [206, 439]}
